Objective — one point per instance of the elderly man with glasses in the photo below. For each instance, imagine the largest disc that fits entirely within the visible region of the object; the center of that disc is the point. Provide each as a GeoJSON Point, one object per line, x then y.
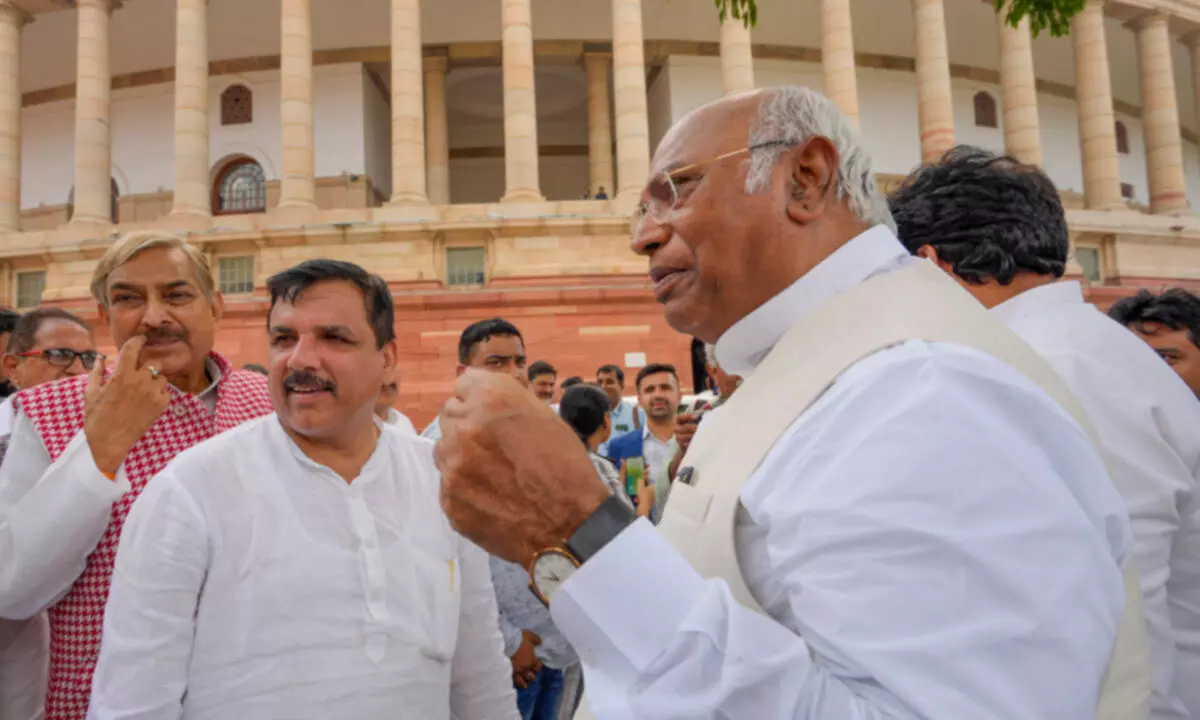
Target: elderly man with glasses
{"type": "Point", "coordinates": [899, 514]}
{"type": "Point", "coordinates": [82, 449]}
{"type": "Point", "coordinates": [45, 345]}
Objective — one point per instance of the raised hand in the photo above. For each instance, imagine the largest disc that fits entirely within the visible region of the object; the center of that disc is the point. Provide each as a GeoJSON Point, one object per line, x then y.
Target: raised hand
{"type": "Point", "coordinates": [119, 410]}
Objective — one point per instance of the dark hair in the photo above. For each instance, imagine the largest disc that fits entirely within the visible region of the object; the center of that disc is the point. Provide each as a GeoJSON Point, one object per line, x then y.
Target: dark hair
{"type": "Point", "coordinates": [8, 320]}
{"type": "Point", "coordinates": [584, 407]}
{"type": "Point", "coordinates": [483, 331]}
{"type": "Point", "coordinates": [615, 370]}
{"type": "Point", "coordinates": [572, 382]}
{"type": "Point", "coordinates": [253, 367]}
{"type": "Point", "coordinates": [287, 285]}
{"type": "Point", "coordinates": [23, 334]}
{"type": "Point", "coordinates": [654, 369]}
{"type": "Point", "coordinates": [1176, 308]}
{"type": "Point", "coordinates": [989, 217]}
{"type": "Point", "coordinates": [540, 368]}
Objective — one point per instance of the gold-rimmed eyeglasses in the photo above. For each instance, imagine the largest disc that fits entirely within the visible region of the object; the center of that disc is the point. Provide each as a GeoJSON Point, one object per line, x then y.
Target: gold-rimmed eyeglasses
{"type": "Point", "coordinates": [661, 194]}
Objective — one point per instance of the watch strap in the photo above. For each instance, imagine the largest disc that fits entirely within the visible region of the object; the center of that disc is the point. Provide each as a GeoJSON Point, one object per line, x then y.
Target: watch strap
{"type": "Point", "coordinates": [604, 524]}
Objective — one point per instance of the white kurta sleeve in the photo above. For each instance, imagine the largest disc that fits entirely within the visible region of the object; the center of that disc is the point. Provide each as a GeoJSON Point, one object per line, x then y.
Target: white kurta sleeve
{"type": "Point", "coordinates": [920, 557]}
{"type": "Point", "coordinates": [52, 515]}
{"type": "Point", "coordinates": [481, 678]}
{"type": "Point", "coordinates": [149, 622]}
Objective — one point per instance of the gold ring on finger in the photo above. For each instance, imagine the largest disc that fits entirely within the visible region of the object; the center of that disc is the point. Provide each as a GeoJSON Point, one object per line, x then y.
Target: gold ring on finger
{"type": "Point", "coordinates": [154, 372]}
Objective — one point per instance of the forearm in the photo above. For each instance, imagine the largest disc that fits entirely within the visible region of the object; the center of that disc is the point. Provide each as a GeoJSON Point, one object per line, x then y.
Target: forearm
{"type": "Point", "coordinates": [47, 534]}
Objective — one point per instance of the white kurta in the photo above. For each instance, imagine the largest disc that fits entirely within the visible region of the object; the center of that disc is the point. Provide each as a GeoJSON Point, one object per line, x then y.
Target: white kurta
{"type": "Point", "coordinates": [252, 582]}
{"type": "Point", "coordinates": [934, 539]}
{"type": "Point", "coordinates": [1149, 424]}
{"type": "Point", "coordinates": [401, 422]}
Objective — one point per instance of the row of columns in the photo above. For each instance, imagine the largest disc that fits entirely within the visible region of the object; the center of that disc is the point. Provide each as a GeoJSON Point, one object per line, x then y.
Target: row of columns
{"type": "Point", "coordinates": [420, 146]}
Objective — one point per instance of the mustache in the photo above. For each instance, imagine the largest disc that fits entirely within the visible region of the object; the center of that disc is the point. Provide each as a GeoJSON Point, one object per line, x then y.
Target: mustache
{"type": "Point", "coordinates": [159, 334]}
{"type": "Point", "coordinates": [390, 387]}
{"type": "Point", "coordinates": [303, 381]}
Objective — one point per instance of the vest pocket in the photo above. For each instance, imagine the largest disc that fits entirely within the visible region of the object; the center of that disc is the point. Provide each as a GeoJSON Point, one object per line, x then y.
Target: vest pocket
{"type": "Point", "coordinates": [688, 502]}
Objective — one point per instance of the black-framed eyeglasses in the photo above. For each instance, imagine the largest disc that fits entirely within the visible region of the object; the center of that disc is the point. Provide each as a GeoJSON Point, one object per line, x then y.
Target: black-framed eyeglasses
{"type": "Point", "coordinates": [661, 195]}
{"type": "Point", "coordinates": [64, 357]}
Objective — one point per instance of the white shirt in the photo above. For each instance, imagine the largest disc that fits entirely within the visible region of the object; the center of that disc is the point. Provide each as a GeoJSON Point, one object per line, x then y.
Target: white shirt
{"type": "Point", "coordinates": [934, 538]}
{"type": "Point", "coordinates": [401, 422]}
{"type": "Point", "coordinates": [53, 515]}
{"type": "Point", "coordinates": [24, 645]}
{"type": "Point", "coordinates": [1149, 424]}
{"type": "Point", "coordinates": [433, 432]}
{"type": "Point", "coordinates": [252, 582]}
{"type": "Point", "coordinates": [658, 454]}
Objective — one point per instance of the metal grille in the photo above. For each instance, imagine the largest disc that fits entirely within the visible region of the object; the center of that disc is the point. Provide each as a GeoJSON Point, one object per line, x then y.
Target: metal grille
{"type": "Point", "coordinates": [243, 189]}
{"type": "Point", "coordinates": [237, 106]}
{"type": "Point", "coordinates": [1089, 259]}
{"type": "Point", "coordinates": [465, 266]}
{"type": "Point", "coordinates": [236, 275]}
{"type": "Point", "coordinates": [30, 286]}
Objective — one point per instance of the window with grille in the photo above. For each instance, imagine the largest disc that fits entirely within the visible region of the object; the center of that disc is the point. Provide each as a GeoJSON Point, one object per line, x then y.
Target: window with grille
{"type": "Point", "coordinates": [1089, 260]}
{"type": "Point", "coordinates": [1122, 138]}
{"type": "Point", "coordinates": [241, 188]}
{"type": "Point", "coordinates": [236, 275]}
{"type": "Point", "coordinates": [985, 110]}
{"type": "Point", "coordinates": [30, 286]}
{"type": "Point", "coordinates": [465, 266]}
{"type": "Point", "coordinates": [237, 105]}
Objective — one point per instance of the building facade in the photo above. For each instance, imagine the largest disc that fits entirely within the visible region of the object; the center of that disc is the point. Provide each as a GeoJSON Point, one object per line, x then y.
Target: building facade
{"type": "Point", "coordinates": [483, 155]}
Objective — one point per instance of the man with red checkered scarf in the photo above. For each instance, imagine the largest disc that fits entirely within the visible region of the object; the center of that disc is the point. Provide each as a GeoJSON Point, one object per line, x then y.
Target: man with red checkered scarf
{"type": "Point", "coordinates": [82, 449]}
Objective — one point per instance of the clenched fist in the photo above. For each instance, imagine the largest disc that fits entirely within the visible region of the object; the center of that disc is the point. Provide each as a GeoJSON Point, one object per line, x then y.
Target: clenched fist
{"type": "Point", "coordinates": [515, 478]}
{"type": "Point", "coordinates": [119, 410]}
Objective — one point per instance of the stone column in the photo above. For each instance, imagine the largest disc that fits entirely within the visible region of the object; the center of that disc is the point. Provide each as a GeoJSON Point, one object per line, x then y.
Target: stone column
{"type": "Point", "coordinates": [935, 110]}
{"type": "Point", "coordinates": [520, 105]}
{"type": "Point", "coordinates": [737, 60]}
{"type": "Point", "coordinates": [633, 123]}
{"type": "Point", "coordinates": [600, 139]}
{"type": "Point", "coordinates": [12, 19]}
{"type": "Point", "coordinates": [1093, 97]}
{"type": "Point", "coordinates": [1160, 116]}
{"type": "Point", "coordinates": [93, 98]}
{"type": "Point", "coordinates": [192, 190]}
{"type": "Point", "coordinates": [408, 105]}
{"type": "Point", "coordinates": [837, 57]}
{"type": "Point", "coordinates": [1022, 131]}
{"type": "Point", "coordinates": [297, 186]}
{"type": "Point", "coordinates": [437, 136]}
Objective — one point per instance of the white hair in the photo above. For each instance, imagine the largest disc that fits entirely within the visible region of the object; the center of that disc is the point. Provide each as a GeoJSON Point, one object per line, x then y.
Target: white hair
{"type": "Point", "coordinates": [789, 115]}
{"type": "Point", "coordinates": [710, 355]}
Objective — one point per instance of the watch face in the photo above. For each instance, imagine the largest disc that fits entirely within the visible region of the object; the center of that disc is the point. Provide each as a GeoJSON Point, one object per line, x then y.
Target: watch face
{"type": "Point", "coordinates": [550, 571]}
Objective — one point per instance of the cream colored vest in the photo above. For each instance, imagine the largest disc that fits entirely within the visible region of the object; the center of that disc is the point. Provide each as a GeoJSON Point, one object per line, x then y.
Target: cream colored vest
{"type": "Point", "coordinates": [915, 303]}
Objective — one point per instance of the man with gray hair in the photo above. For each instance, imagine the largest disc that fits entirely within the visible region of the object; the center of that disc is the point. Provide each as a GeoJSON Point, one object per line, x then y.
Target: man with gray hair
{"type": "Point", "coordinates": [82, 449]}
{"type": "Point", "coordinates": [899, 514]}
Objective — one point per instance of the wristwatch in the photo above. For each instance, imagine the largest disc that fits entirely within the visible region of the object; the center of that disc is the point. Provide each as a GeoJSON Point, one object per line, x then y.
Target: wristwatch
{"type": "Point", "coordinates": [551, 567]}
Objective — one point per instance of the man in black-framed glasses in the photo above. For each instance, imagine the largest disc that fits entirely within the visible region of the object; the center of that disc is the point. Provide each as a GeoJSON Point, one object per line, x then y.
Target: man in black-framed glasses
{"type": "Point", "coordinates": [46, 345]}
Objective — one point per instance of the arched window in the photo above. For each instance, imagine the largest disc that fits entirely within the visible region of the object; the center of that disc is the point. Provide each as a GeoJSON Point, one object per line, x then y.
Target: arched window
{"type": "Point", "coordinates": [114, 207]}
{"type": "Point", "coordinates": [985, 110]}
{"type": "Point", "coordinates": [237, 105]}
{"type": "Point", "coordinates": [241, 187]}
{"type": "Point", "coordinates": [1122, 138]}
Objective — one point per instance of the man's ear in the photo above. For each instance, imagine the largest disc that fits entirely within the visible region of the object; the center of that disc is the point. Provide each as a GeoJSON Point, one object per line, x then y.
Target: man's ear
{"type": "Point", "coordinates": [461, 369]}
{"type": "Point", "coordinates": [812, 175]}
{"type": "Point", "coordinates": [391, 355]}
{"type": "Point", "coordinates": [10, 362]}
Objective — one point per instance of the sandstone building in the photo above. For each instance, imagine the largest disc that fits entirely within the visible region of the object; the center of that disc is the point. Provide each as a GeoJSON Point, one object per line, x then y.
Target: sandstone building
{"type": "Point", "coordinates": [447, 144]}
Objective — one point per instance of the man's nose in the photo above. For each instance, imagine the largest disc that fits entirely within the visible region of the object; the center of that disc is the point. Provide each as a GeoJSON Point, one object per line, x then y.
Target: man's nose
{"type": "Point", "coordinates": [649, 235]}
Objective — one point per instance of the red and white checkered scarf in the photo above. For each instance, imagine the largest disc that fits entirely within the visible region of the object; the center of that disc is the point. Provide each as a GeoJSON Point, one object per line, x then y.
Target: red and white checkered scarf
{"type": "Point", "coordinates": [57, 412]}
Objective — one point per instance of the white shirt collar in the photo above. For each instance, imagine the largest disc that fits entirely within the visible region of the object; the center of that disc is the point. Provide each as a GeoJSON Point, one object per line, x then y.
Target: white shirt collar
{"type": "Point", "coordinates": [1037, 299]}
{"type": "Point", "coordinates": [744, 345]}
{"type": "Point", "coordinates": [393, 417]}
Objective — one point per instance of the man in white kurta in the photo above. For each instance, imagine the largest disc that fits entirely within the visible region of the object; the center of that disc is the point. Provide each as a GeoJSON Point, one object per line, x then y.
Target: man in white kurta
{"type": "Point", "coordinates": [933, 538]}
{"type": "Point", "coordinates": [301, 566]}
{"type": "Point", "coordinates": [1010, 257]}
